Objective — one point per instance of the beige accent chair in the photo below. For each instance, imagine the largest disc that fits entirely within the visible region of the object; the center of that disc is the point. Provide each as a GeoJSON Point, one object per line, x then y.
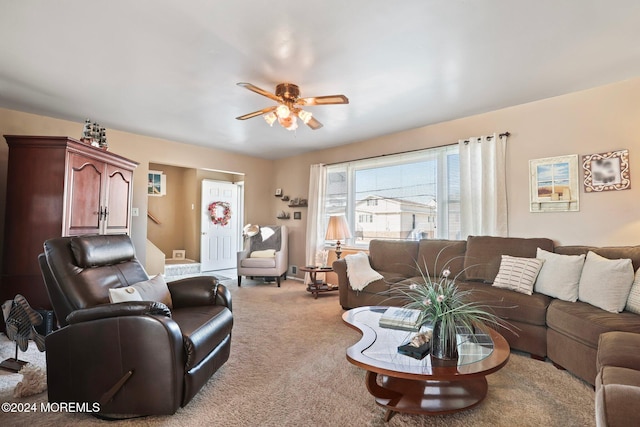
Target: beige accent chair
{"type": "Point", "coordinates": [273, 267]}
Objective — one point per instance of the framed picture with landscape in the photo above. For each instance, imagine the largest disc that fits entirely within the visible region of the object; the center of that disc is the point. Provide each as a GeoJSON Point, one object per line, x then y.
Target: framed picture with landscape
{"type": "Point", "coordinates": [553, 184]}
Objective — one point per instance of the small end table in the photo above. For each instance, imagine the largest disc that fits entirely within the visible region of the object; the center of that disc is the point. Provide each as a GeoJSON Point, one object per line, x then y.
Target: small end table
{"type": "Point", "coordinates": [316, 287]}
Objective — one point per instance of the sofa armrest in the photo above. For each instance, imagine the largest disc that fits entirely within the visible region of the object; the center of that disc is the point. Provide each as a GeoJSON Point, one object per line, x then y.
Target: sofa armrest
{"type": "Point", "coordinates": [281, 259]}
{"type": "Point", "coordinates": [193, 291]}
{"type": "Point", "coordinates": [340, 268]}
{"type": "Point", "coordinates": [344, 287]}
{"type": "Point", "coordinates": [242, 255]}
{"type": "Point", "coordinates": [619, 349]}
{"type": "Point", "coordinates": [130, 308]}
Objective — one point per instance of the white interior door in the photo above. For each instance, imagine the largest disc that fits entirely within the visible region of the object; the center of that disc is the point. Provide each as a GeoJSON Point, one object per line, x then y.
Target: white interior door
{"type": "Point", "coordinates": [219, 243]}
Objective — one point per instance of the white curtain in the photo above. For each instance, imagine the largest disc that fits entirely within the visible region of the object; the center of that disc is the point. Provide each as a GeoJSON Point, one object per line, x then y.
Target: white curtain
{"type": "Point", "coordinates": [483, 188]}
{"type": "Point", "coordinates": [315, 212]}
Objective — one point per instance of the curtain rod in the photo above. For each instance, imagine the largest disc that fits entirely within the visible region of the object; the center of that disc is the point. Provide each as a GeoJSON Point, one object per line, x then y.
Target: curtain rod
{"type": "Point", "coordinates": [502, 135]}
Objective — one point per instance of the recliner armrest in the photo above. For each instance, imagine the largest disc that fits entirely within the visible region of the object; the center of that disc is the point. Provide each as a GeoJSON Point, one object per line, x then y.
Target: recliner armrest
{"type": "Point", "coordinates": [223, 297]}
{"type": "Point", "coordinates": [201, 290]}
{"type": "Point", "coordinates": [129, 308]}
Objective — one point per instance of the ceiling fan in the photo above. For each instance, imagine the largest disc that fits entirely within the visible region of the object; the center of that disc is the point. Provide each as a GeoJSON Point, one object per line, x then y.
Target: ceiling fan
{"type": "Point", "coordinates": [290, 106]}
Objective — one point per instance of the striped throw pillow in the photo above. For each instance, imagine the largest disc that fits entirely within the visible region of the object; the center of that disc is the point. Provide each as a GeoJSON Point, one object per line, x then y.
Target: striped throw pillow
{"type": "Point", "coordinates": [633, 302]}
{"type": "Point", "coordinates": [518, 274]}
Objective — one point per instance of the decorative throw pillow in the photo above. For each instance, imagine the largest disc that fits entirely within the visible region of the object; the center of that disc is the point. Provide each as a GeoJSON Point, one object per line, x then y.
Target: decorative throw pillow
{"type": "Point", "coordinates": [518, 274]}
{"type": "Point", "coordinates": [605, 283]}
{"type": "Point", "coordinates": [154, 289]}
{"type": "Point", "coordinates": [633, 302]}
{"type": "Point", "coordinates": [560, 275]}
{"type": "Point", "coordinates": [267, 253]}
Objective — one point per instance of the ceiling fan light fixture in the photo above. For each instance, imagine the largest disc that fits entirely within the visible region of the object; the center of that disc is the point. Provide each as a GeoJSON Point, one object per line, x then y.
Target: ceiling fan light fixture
{"type": "Point", "coordinates": [305, 116]}
{"type": "Point", "coordinates": [270, 118]}
{"type": "Point", "coordinates": [288, 110]}
{"type": "Point", "coordinates": [283, 111]}
{"type": "Point", "coordinates": [289, 123]}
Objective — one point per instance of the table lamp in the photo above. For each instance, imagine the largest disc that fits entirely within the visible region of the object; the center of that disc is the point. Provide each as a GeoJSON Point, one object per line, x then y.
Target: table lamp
{"type": "Point", "coordinates": [338, 229]}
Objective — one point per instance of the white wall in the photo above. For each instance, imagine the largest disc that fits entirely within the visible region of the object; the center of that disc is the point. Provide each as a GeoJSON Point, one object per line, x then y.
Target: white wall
{"type": "Point", "coordinates": [592, 121]}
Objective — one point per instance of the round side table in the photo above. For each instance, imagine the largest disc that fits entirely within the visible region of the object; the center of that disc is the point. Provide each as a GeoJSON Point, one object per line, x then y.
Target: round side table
{"type": "Point", "coordinates": [316, 287]}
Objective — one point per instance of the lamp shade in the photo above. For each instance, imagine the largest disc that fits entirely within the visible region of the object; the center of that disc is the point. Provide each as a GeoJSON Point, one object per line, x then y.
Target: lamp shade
{"type": "Point", "coordinates": [338, 228]}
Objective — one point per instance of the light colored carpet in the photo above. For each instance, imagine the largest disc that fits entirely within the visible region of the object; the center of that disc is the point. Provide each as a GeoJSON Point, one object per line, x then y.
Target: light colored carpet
{"type": "Point", "coordinates": [288, 368]}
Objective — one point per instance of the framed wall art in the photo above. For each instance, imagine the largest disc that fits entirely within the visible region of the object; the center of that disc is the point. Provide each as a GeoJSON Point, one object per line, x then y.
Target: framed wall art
{"type": "Point", "coordinates": [553, 184]}
{"type": "Point", "coordinates": [179, 253]}
{"type": "Point", "coordinates": [157, 183]}
{"type": "Point", "coordinates": [606, 171]}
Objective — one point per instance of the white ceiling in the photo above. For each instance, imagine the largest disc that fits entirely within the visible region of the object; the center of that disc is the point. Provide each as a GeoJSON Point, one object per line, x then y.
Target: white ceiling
{"type": "Point", "coordinates": [169, 69]}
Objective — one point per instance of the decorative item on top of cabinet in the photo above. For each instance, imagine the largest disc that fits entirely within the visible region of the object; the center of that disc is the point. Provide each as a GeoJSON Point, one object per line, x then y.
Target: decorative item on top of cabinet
{"type": "Point", "coordinates": [58, 186]}
{"type": "Point", "coordinates": [94, 135]}
{"type": "Point", "coordinates": [278, 192]}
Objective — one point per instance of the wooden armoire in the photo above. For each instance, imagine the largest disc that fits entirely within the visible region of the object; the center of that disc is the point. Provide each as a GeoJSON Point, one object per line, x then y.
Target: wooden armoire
{"type": "Point", "coordinates": [58, 186]}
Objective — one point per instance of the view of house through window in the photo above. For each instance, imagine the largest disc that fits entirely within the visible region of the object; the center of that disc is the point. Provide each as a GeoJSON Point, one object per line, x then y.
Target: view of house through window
{"type": "Point", "coordinates": [408, 196]}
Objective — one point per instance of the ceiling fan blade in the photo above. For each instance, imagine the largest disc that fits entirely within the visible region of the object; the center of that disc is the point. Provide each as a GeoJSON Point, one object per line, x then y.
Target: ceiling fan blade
{"type": "Point", "coordinates": [259, 91]}
{"type": "Point", "coordinates": [314, 124]}
{"type": "Point", "coordinates": [323, 100]}
{"type": "Point", "coordinates": [257, 113]}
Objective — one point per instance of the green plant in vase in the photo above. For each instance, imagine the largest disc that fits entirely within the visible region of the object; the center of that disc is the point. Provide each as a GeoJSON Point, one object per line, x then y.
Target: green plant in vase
{"type": "Point", "coordinates": [444, 307]}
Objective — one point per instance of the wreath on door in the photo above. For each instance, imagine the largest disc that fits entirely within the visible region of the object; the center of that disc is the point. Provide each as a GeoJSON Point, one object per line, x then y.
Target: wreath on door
{"type": "Point", "coordinates": [226, 213]}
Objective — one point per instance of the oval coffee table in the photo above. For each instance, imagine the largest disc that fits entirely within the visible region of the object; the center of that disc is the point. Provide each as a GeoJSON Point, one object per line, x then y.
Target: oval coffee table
{"type": "Point", "coordinates": [429, 386]}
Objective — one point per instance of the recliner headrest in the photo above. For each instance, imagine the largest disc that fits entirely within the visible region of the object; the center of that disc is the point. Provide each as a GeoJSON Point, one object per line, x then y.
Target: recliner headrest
{"type": "Point", "coordinates": [99, 250]}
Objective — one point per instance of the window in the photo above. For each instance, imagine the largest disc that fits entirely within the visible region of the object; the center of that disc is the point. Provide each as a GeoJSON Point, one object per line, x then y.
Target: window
{"type": "Point", "coordinates": [365, 218]}
{"type": "Point", "coordinates": [408, 196]}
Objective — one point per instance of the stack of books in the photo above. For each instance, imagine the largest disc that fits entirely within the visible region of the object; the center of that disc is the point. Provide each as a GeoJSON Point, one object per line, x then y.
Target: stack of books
{"type": "Point", "coordinates": [400, 318]}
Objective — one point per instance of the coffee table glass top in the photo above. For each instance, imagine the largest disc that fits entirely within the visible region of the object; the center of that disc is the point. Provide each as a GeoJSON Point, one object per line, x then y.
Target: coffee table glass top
{"type": "Point", "coordinates": [382, 348]}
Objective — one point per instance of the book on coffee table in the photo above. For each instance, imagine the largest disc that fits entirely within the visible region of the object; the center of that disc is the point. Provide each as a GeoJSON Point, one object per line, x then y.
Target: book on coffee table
{"type": "Point", "coordinates": [405, 319]}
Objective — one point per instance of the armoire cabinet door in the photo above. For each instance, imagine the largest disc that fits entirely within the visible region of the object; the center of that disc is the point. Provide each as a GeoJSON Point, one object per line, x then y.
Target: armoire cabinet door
{"type": "Point", "coordinates": [83, 204]}
{"type": "Point", "coordinates": [118, 196]}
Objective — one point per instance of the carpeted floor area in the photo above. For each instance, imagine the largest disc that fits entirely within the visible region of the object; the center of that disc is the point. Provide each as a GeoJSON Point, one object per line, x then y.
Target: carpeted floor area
{"type": "Point", "coordinates": [288, 368]}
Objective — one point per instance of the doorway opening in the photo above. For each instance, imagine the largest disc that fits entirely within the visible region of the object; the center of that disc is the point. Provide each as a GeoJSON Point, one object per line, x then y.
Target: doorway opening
{"type": "Point", "coordinates": [176, 214]}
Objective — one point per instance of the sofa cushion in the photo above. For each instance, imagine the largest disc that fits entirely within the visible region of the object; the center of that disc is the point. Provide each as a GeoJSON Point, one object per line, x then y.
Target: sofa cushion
{"type": "Point", "coordinates": [605, 283]}
{"type": "Point", "coordinates": [203, 329]}
{"type": "Point", "coordinates": [584, 323]}
{"type": "Point", "coordinates": [633, 302]}
{"type": "Point", "coordinates": [509, 305]}
{"type": "Point", "coordinates": [258, 262]}
{"type": "Point", "coordinates": [394, 256]}
{"type": "Point", "coordinates": [483, 256]}
{"type": "Point", "coordinates": [518, 274]}
{"type": "Point", "coordinates": [437, 255]}
{"type": "Point", "coordinates": [559, 275]}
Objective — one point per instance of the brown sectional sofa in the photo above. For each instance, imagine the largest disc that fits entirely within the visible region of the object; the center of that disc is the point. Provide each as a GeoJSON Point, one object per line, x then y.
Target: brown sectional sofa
{"type": "Point", "coordinates": [565, 332]}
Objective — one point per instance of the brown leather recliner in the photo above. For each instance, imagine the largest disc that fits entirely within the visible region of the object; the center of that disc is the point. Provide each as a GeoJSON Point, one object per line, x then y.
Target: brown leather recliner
{"type": "Point", "coordinates": [137, 358]}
